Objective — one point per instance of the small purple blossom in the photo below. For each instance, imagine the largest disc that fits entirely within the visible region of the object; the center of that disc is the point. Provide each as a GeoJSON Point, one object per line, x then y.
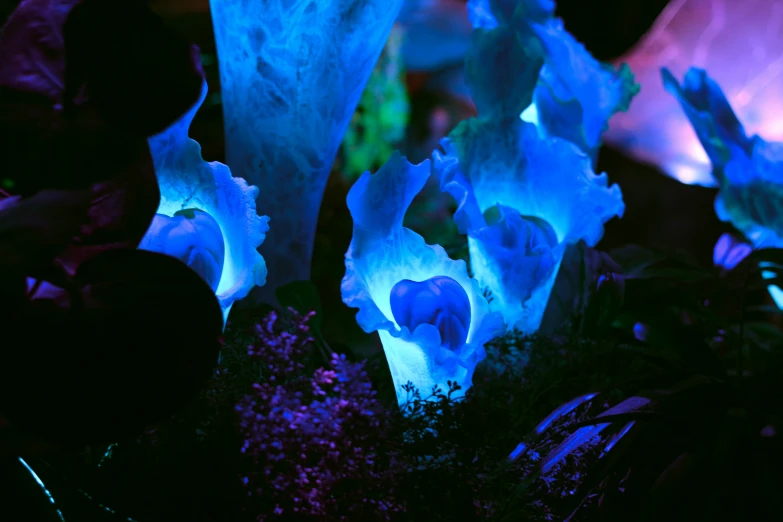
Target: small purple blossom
{"type": "Point", "coordinates": [282, 348]}
{"type": "Point", "coordinates": [729, 252]}
{"type": "Point", "coordinates": [312, 439]}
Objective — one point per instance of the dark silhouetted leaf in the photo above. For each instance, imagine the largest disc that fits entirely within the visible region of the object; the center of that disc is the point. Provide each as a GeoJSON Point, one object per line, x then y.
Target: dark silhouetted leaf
{"type": "Point", "coordinates": [140, 336]}
{"type": "Point", "coordinates": [140, 73]}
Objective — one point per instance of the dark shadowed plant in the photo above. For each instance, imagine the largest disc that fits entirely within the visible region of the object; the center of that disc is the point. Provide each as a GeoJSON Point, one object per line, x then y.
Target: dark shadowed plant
{"type": "Point", "coordinates": [73, 282]}
{"type": "Point", "coordinates": [698, 439]}
{"type": "Point", "coordinates": [99, 339]}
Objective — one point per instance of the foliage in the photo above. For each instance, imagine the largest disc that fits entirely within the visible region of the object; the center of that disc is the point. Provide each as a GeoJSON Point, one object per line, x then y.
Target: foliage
{"type": "Point", "coordinates": [76, 217]}
{"type": "Point", "coordinates": [378, 125]}
{"type": "Point", "coordinates": [675, 369]}
{"type": "Point", "coordinates": [312, 438]}
{"type": "Point", "coordinates": [702, 443]}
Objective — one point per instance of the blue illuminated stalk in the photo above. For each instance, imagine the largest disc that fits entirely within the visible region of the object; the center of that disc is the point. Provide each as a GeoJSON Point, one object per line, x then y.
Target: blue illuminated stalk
{"type": "Point", "coordinates": [292, 73]}
{"type": "Point", "coordinates": [774, 291]}
{"type": "Point", "coordinates": [550, 419]}
{"type": "Point", "coordinates": [43, 488]}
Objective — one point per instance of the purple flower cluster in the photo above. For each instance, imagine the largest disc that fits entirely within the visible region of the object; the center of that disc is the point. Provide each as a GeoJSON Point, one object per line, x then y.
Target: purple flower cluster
{"type": "Point", "coordinates": [282, 348]}
{"type": "Point", "coordinates": [312, 440]}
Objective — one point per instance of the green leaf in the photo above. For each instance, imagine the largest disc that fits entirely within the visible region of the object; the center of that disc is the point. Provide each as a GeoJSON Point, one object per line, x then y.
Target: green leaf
{"type": "Point", "coordinates": [303, 297]}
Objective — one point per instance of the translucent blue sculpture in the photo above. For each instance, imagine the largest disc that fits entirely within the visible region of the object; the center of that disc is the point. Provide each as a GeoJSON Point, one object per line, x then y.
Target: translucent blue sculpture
{"type": "Point", "coordinates": [523, 194]}
{"type": "Point", "coordinates": [748, 170]}
{"type": "Point", "coordinates": [718, 129]}
{"type": "Point", "coordinates": [291, 74]}
{"type": "Point", "coordinates": [189, 184]}
{"type": "Point", "coordinates": [430, 314]}
{"type": "Point", "coordinates": [739, 43]}
{"type": "Point", "coordinates": [575, 95]}
{"type": "Point", "coordinates": [192, 236]}
{"type": "Point", "coordinates": [522, 199]}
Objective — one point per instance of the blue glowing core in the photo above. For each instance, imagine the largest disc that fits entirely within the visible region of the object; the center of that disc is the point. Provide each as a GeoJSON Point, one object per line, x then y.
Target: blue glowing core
{"type": "Point", "coordinates": [439, 301]}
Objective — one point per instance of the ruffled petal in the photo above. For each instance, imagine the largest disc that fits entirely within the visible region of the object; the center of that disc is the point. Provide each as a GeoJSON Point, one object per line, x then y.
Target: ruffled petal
{"type": "Point", "coordinates": [576, 94]}
{"type": "Point", "coordinates": [545, 195]}
{"type": "Point", "coordinates": [551, 179]}
{"type": "Point", "coordinates": [193, 237]}
{"type": "Point", "coordinates": [382, 254]}
{"type": "Point", "coordinates": [751, 194]}
{"type": "Point", "coordinates": [706, 107]}
{"type": "Point", "coordinates": [188, 182]}
{"type": "Point", "coordinates": [749, 171]}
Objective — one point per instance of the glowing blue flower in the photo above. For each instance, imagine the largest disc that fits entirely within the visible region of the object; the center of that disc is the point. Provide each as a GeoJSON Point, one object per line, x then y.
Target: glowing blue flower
{"type": "Point", "coordinates": [192, 236]}
{"type": "Point", "coordinates": [729, 252]}
{"type": "Point", "coordinates": [522, 198]}
{"type": "Point", "coordinates": [187, 182]}
{"type": "Point", "coordinates": [575, 94]}
{"type": "Point", "coordinates": [431, 316]}
{"type": "Point", "coordinates": [525, 191]}
{"type": "Point", "coordinates": [720, 132]}
{"type": "Point", "coordinates": [749, 170]}
{"type": "Point", "coordinates": [502, 65]}
{"type": "Point", "coordinates": [291, 76]}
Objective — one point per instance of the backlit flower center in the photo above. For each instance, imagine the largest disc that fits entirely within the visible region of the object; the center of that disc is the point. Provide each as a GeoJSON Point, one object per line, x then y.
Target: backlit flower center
{"type": "Point", "coordinates": [439, 301]}
{"type": "Point", "coordinates": [517, 231]}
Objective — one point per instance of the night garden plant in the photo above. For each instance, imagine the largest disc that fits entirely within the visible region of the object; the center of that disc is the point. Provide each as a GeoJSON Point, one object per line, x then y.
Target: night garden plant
{"type": "Point", "coordinates": [652, 393]}
{"type": "Point", "coordinates": [525, 191]}
{"type": "Point", "coordinates": [696, 437]}
{"type": "Point", "coordinates": [89, 341]}
{"type": "Point", "coordinates": [747, 169]}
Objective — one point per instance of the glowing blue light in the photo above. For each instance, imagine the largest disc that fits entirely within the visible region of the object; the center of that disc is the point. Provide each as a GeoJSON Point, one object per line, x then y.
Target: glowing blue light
{"type": "Point", "coordinates": [740, 43]}
{"type": "Point", "coordinates": [585, 434]}
{"type": "Point", "coordinates": [188, 182]}
{"type": "Point", "coordinates": [614, 439]}
{"type": "Point", "coordinates": [748, 170]}
{"type": "Point", "coordinates": [576, 95]}
{"type": "Point", "coordinates": [580, 437]}
{"type": "Point", "coordinates": [729, 252]}
{"type": "Point", "coordinates": [530, 114]}
{"type": "Point", "coordinates": [193, 237]}
{"type": "Point", "coordinates": [719, 131]}
{"type": "Point", "coordinates": [522, 199]}
{"type": "Point", "coordinates": [40, 483]}
{"type": "Point", "coordinates": [291, 76]}
{"type": "Point", "coordinates": [422, 326]}
{"type": "Point", "coordinates": [107, 454]}
{"type": "Point", "coordinates": [521, 172]}
{"type": "Point", "coordinates": [519, 450]}
{"type": "Point", "coordinates": [562, 410]}
{"type": "Point", "coordinates": [640, 332]}
{"type": "Point", "coordinates": [774, 291]}
{"type": "Point", "coordinates": [546, 423]}
{"type": "Point", "coordinates": [439, 301]}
